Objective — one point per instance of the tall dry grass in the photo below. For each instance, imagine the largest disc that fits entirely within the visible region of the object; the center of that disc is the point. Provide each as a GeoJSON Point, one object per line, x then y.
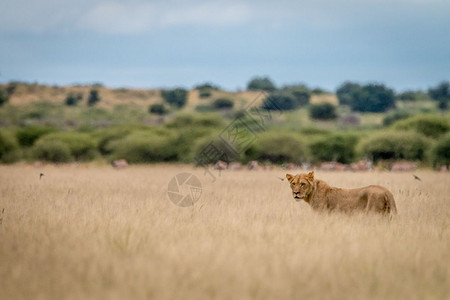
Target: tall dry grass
{"type": "Point", "coordinates": [99, 233]}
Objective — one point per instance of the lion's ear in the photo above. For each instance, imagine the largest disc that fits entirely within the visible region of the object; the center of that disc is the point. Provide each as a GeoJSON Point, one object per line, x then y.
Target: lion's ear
{"type": "Point", "coordinates": [310, 176]}
{"type": "Point", "coordinates": [289, 177]}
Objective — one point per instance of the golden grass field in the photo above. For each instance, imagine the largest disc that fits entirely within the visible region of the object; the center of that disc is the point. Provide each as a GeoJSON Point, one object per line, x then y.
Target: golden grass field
{"type": "Point", "coordinates": [99, 233]}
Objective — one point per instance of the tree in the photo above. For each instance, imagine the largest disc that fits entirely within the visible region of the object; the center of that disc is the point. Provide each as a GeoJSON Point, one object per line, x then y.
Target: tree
{"type": "Point", "coordinates": [346, 91]}
{"type": "Point", "coordinates": [441, 94]}
{"type": "Point", "coordinates": [158, 109]}
{"type": "Point", "coordinates": [73, 98]}
{"type": "Point", "coordinates": [3, 97]}
{"type": "Point", "coordinates": [176, 97]}
{"type": "Point", "coordinates": [373, 98]}
{"type": "Point", "coordinates": [94, 98]}
{"type": "Point", "coordinates": [261, 84]}
{"type": "Point", "coordinates": [280, 100]}
{"type": "Point", "coordinates": [324, 111]}
{"type": "Point", "coordinates": [412, 96]}
{"type": "Point", "coordinates": [301, 93]}
{"type": "Point", "coordinates": [368, 98]}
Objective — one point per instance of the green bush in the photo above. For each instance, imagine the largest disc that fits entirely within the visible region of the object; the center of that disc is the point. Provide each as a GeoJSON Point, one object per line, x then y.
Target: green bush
{"type": "Point", "coordinates": [223, 103]}
{"type": "Point", "coordinates": [209, 149]}
{"type": "Point", "coordinates": [105, 136]}
{"type": "Point", "coordinates": [395, 145]}
{"type": "Point", "coordinates": [395, 116]}
{"type": "Point", "coordinates": [280, 100]}
{"type": "Point", "coordinates": [176, 97]}
{"type": "Point", "coordinates": [334, 147]}
{"type": "Point", "coordinates": [412, 96]}
{"type": "Point", "coordinates": [207, 85]}
{"type": "Point", "coordinates": [146, 146]}
{"type": "Point", "coordinates": [367, 98]}
{"type": "Point", "coordinates": [261, 84]}
{"type": "Point", "coordinates": [186, 120]}
{"type": "Point", "coordinates": [441, 151]}
{"type": "Point", "coordinates": [28, 135]}
{"type": "Point", "coordinates": [94, 97]}
{"type": "Point", "coordinates": [440, 92]}
{"type": "Point", "coordinates": [204, 93]}
{"type": "Point", "coordinates": [300, 92]}
{"type": "Point", "coordinates": [278, 147]}
{"type": "Point", "coordinates": [72, 99]}
{"type": "Point", "coordinates": [8, 147]}
{"type": "Point", "coordinates": [3, 97]}
{"type": "Point", "coordinates": [81, 145]}
{"type": "Point", "coordinates": [346, 91]}
{"type": "Point", "coordinates": [158, 109]}
{"type": "Point", "coordinates": [323, 111]}
{"type": "Point", "coordinates": [373, 98]}
{"type": "Point", "coordinates": [428, 125]}
{"type": "Point", "coordinates": [52, 151]}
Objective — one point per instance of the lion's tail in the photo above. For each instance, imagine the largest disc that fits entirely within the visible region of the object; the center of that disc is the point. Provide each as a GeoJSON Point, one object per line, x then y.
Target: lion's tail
{"type": "Point", "coordinates": [390, 203]}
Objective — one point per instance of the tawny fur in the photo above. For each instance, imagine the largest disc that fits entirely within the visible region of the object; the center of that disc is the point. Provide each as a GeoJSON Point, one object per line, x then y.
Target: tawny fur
{"type": "Point", "coordinates": [321, 196]}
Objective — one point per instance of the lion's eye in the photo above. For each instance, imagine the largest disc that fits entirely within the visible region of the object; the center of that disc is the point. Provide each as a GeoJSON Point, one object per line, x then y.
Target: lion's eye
{"type": "Point", "coordinates": [302, 184]}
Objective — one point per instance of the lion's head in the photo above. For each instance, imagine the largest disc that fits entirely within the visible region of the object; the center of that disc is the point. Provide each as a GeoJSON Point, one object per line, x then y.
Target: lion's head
{"type": "Point", "coordinates": [301, 184]}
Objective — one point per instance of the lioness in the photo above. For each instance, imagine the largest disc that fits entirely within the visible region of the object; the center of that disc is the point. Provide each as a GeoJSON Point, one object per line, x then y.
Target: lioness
{"type": "Point", "coordinates": [321, 196]}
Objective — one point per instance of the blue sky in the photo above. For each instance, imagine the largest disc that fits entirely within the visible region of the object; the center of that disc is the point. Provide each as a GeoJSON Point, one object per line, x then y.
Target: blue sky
{"type": "Point", "coordinates": [404, 44]}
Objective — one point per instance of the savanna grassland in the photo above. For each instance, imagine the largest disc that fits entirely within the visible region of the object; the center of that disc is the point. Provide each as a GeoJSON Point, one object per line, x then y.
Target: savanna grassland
{"type": "Point", "coordinates": [92, 232]}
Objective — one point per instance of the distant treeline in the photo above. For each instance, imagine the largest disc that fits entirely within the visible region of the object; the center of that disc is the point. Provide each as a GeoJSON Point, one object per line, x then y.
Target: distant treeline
{"type": "Point", "coordinates": [298, 131]}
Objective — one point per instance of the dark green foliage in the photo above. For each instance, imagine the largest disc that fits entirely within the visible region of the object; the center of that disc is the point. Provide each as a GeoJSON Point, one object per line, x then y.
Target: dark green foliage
{"type": "Point", "coordinates": [280, 100]}
{"type": "Point", "coordinates": [146, 146]}
{"type": "Point", "coordinates": [72, 99]}
{"type": "Point", "coordinates": [261, 84]}
{"type": "Point", "coordinates": [204, 93]}
{"type": "Point", "coordinates": [223, 103]}
{"type": "Point", "coordinates": [318, 91]}
{"type": "Point", "coordinates": [81, 145]}
{"type": "Point", "coordinates": [278, 147]}
{"type": "Point", "coordinates": [28, 135]}
{"type": "Point", "coordinates": [346, 91]}
{"type": "Point", "coordinates": [441, 151]}
{"type": "Point", "coordinates": [412, 96]}
{"type": "Point", "coordinates": [52, 151]}
{"type": "Point", "coordinates": [209, 149]}
{"type": "Point", "coordinates": [207, 85]}
{"type": "Point", "coordinates": [158, 109]}
{"type": "Point", "coordinates": [367, 98]}
{"type": "Point", "coordinates": [428, 125]}
{"type": "Point", "coordinates": [104, 137]}
{"type": "Point", "coordinates": [441, 94]}
{"type": "Point", "coordinates": [395, 116]}
{"type": "Point", "coordinates": [323, 111]}
{"type": "Point", "coordinates": [176, 97]}
{"type": "Point", "coordinates": [300, 92]}
{"type": "Point", "coordinates": [396, 145]}
{"type": "Point", "coordinates": [334, 147]}
{"type": "Point", "coordinates": [8, 146]}
{"type": "Point", "coordinates": [3, 97]}
{"type": "Point", "coordinates": [373, 98]}
{"type": "Point", "coordinates": [195, 121]}
{"type": "Point", "coordinates": [93, 98]}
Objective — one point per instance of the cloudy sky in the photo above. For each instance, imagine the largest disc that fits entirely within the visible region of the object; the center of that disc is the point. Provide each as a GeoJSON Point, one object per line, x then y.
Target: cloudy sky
{"type": "Point", "coordinates": [402, 43]}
